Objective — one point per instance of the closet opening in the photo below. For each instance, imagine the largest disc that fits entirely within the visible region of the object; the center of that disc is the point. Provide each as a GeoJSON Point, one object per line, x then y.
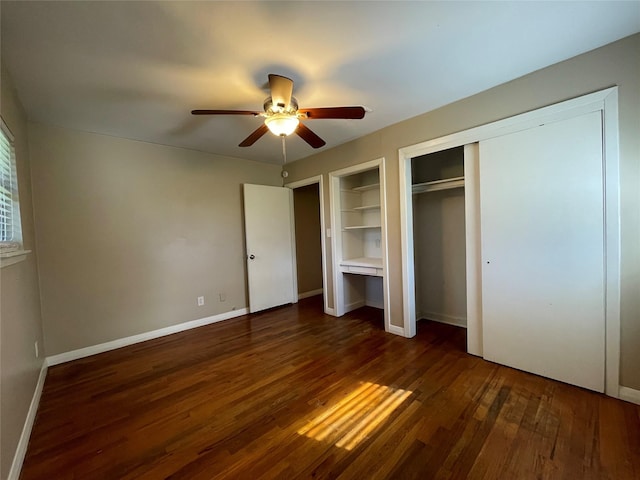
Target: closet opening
{"type": "Point", "coordinates": [439, 238]}
{"type": "Point", "coordinates": [440, 229]}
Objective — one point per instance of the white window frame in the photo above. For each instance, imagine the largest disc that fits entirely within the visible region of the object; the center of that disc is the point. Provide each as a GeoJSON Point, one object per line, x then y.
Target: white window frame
{"type": "Point", "coordinates": [12, 249]}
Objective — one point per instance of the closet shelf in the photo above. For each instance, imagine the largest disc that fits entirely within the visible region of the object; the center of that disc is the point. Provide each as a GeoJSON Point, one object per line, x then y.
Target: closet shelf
{"type": "Point", "coordinates": [361, 227]}
{"type": "Point", "coordinates": [446, 184]}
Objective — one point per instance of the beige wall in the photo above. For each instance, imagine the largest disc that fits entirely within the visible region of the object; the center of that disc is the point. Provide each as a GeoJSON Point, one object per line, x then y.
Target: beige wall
{"type": "Point", "coordinates": [130, 234]}
{"type": "Point", "coordinates": [20, 324]}
{"type": "Point", "coordinates": [308, 243]}
{"type": "Point", "coordinates": [614, 64]}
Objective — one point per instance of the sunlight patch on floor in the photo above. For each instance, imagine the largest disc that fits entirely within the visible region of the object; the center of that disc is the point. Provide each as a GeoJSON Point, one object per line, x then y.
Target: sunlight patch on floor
{"type": "Point", "coordinates": [356, 416]}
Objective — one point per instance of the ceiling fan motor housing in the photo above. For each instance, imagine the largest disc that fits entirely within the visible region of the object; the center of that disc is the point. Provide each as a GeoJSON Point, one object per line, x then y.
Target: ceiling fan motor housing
{"type": "Point", "coordinates": [271, 109]}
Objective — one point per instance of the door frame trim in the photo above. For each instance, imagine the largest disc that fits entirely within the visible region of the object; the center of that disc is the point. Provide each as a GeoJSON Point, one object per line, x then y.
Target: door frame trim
{"type": "Point", "coordinates": [605, 101]}
{"type": "Point", "coordinates": [318, 179]}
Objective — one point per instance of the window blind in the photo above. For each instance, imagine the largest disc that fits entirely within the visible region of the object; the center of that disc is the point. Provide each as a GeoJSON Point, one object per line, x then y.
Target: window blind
{"type": "Point", "coordinates": [9, 214]}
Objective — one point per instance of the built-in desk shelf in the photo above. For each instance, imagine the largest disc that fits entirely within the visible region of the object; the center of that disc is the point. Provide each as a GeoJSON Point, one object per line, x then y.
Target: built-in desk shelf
{"type": "Point", "coordinates": [362, 266]}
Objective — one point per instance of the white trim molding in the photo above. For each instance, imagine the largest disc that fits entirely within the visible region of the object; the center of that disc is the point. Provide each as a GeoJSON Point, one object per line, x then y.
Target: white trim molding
{"type": "Point", "coordinates": [397, 330]}
{"type": "Point", "coordinates": [142, 337]}
{"type": "Point", "coordinates": [23, 442]}
{"type": "Point", "coordinates": [629, 394]}
{"type": "Point", "coordinates": [13, 257]}
{"type": "Point", "coordinates": [472, 247]}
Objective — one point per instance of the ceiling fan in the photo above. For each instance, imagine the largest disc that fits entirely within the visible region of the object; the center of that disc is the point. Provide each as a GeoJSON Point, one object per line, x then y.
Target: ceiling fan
{"type": "Point", "coordinates": [282, 115]}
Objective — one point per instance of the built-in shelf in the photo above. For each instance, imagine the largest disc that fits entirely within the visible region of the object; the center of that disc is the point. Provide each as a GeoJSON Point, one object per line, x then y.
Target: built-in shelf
{"type": "Point", "coordinates": [446, 184]}
{"type": "Point", "coordinates": [368, 207]}
{"type": "Point", "coordinates": [364, 188]}
{"type": "Point", "coordinates": [363, 208]}
{"type": "Point", "coordinates": [358, 213]}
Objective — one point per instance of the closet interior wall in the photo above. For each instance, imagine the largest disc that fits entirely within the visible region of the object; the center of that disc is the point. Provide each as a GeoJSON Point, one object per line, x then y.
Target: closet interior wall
{"type": "Point", "coordinates": [439, 236]}
{"type": "Point", "coordinates": [306, 210]}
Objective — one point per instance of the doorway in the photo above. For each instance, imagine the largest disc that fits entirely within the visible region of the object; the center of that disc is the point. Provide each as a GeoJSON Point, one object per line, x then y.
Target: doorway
{"type": "Point", "coordinates": [308, 212]}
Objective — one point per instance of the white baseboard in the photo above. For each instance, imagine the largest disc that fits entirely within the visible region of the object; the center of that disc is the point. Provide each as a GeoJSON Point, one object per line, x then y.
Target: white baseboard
{"type": "Point", "coordinates": [311, 293]}
{"type": "Point", "coordinates": [375, 303]}
{"type": "Point", "coordinates": [353, 306]}
{"type": "Point", "coordinates": [629, 394]}
{"type": "Point", "coordinates": [23, 442]}
{"type": "Point", "coordinates": [330, 311]}
{"type": "Point", "coordinates": [143, 337]}
{"type": "Point", "coordinates": [444, 318]}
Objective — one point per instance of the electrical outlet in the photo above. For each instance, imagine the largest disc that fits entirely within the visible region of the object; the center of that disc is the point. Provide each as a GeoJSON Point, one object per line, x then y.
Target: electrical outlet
{"type": "Point", "coordinates": [223, 297]}
{"type": "Point", "coordinates": [37, 349]}
{"type": "Point", "coordinates": [200, 301]}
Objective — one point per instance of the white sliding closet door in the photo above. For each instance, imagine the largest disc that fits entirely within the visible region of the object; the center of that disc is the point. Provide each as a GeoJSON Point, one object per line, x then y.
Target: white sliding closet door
{"type": "Point", "coordinates": [542, 229]}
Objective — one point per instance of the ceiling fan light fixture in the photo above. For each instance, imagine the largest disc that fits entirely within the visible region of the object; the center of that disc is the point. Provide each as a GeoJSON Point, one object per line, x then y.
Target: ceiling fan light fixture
{"type": "Point", "coordinates": [282, 124]}
{"type": "Point", "coordinates": [282, 117]}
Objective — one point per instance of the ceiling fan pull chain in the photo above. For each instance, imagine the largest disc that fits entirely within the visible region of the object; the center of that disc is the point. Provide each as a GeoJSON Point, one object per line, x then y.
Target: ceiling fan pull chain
{"type": "Point", "coordinates": [284, 150]}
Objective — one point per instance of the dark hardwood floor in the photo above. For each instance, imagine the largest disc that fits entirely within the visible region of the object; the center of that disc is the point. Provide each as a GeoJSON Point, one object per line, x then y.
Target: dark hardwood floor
{"type": "Point", "coordinates": [292, 393]}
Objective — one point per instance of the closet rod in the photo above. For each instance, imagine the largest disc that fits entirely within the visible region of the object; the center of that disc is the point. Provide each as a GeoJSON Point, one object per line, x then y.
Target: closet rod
{"type": "Point", "coordinates": [449, 183]}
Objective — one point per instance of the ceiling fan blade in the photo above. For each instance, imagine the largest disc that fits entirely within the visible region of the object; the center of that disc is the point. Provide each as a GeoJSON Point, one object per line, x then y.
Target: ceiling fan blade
{"type": "Point", "coordinates": [224, 112]}
{"type": "Point", "coordinates": [281, 90]}
{"type": "Point", "coordinates": [255, 135]}
{"type": "Point", "coordinates": [354, 113]}
{"type": "Point", "coordinates": [308, 136]}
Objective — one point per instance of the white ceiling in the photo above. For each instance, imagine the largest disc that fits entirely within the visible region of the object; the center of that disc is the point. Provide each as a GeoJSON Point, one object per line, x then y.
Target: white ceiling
{"type": "Point", "coordinates": [136, 69]}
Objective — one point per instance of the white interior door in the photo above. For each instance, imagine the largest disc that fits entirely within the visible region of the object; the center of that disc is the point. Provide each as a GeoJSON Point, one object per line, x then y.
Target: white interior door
{"type": "Point", "coordinates": [270, 247]}
{"type": "Point", "coordinates": [542, 230]}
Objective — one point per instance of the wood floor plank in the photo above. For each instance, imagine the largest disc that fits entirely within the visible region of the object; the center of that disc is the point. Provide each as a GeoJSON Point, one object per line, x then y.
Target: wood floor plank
{"type": "Point", "coordinates": [292, 393]}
